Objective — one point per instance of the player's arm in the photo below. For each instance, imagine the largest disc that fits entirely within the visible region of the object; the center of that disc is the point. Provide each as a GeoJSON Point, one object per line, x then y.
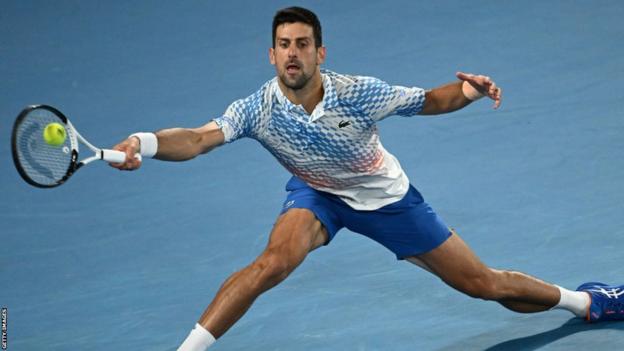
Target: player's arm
{"type": "Point", "coordinates": [181, 144]}
{"type": "Point", "coordinates": [456, 95]}
{"type": "Point", "coordinates": [174, 144]}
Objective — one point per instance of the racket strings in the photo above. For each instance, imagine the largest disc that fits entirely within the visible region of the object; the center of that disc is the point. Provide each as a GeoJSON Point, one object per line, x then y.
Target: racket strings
{"type": "Point", "coordinates": [43, 163]}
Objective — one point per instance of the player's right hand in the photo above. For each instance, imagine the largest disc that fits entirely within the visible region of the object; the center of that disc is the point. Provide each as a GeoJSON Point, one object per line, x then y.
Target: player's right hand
{"type": "Point", "coordinates": [131, 147]}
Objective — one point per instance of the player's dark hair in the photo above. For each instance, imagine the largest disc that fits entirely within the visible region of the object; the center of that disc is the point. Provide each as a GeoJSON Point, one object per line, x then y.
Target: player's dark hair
{"type": "Point", "coordinates": [298, 14]}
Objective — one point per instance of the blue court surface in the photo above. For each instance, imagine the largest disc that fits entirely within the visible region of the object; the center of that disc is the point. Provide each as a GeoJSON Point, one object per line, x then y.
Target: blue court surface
{"type": "Point", "coordinates": [128, 261]}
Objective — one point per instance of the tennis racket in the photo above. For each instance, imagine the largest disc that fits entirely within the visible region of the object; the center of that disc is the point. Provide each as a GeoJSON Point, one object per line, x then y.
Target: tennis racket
{"type": "Point", "coordinates": [44, 165]}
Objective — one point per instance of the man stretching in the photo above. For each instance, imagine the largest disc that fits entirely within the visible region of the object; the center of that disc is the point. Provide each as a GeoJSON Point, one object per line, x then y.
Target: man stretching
{"type": "Point", "coordinates": [321, 126]}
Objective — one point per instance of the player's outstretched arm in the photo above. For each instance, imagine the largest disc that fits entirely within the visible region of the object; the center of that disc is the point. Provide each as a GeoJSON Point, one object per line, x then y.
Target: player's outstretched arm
{"type": "Point", "coordinates": [456, 95]}
{"type": "Point", "coordinates": [181, 144]}
{"type": "Point", "coordinates": [174, 144]}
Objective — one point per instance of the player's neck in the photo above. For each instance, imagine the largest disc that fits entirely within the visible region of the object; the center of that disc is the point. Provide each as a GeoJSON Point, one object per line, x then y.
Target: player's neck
{"type": "Point", "coordinates": [309, 96]}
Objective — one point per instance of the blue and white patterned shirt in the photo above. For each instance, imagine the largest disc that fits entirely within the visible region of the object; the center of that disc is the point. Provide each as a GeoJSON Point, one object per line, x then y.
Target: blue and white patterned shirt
{"type": "Point", "coordinates": [335, 149]}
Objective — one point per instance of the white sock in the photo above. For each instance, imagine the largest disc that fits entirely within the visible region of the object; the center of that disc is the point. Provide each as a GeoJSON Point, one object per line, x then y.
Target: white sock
{"type": "Point", "coordinates": [576, 302]}
{"type": "Point", "coordinates": [198, 340]}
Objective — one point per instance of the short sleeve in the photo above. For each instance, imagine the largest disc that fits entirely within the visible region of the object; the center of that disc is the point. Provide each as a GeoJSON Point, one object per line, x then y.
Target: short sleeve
{"type": "Point", "coordinates": [242, 118]}
{"type": "Point", "coordinates": [379, 99]}
{"type": "Point", "coordinates": [235, 121]}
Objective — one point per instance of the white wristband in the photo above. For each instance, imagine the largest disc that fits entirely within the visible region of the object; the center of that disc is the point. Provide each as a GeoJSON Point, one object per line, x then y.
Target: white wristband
{"type": "Point", "coordinates": [470, 92]}
{"type": "Point", "coordinates": [149, 143]}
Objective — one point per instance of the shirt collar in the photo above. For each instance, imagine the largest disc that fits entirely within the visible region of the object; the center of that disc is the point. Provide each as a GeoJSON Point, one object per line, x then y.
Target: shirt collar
{"type": "Point", "coordinates": [330, 99]}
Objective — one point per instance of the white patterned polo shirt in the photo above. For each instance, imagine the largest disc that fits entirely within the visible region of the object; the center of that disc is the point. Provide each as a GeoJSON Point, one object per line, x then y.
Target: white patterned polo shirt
{"type": "Point", "coordinates": [336, 148]}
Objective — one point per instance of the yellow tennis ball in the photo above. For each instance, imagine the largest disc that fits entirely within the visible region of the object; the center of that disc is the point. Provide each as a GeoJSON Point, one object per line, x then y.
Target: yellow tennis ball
{"type": "Point", "coordinates": [54, 134]}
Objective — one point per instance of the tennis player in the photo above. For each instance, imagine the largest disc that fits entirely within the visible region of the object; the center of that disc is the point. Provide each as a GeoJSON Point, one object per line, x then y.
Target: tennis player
{"type": "Point", "coordinates": [321, 126]}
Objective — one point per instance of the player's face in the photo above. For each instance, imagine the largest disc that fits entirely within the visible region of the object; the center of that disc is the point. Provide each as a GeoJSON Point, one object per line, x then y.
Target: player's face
{"type": "Point", "coordinates": [295, 56]}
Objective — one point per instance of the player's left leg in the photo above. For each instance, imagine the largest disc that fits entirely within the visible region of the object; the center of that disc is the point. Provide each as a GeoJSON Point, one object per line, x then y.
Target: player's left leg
{"type": "Point", "coordinates": [413, 231]}
{"type": "Point", "coordinates": [457, 265]}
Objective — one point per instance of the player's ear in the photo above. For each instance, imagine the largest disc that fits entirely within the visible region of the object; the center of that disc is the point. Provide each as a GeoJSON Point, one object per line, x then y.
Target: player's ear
{"type": "Point", "coordinates": [272, 56]}
{"type": "Point", "coordinates": [320, 55]}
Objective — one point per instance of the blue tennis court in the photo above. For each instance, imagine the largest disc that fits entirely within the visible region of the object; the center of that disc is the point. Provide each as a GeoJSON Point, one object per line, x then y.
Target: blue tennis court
{"type": "Point", "coordinates": [128, 261]}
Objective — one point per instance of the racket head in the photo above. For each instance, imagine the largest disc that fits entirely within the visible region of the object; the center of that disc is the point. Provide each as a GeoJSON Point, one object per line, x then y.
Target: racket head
{"type": "Point", "coordinates": [39, 163]}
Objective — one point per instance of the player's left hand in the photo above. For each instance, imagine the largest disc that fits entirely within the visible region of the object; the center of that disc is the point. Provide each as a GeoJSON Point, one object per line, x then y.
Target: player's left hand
{"type": "Point", "coordinates": [483, 84]}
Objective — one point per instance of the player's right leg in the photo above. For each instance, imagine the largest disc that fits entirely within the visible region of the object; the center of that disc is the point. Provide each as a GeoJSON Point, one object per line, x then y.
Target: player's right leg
{"type": "Point", "coordinates": [295, 233]}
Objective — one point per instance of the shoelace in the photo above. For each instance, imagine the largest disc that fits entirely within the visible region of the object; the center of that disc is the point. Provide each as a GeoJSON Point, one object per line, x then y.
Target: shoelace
{"type": "Point", "coordinates": [611, 293]}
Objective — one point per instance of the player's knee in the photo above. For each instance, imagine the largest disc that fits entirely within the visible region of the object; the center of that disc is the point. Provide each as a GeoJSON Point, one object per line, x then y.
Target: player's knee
{"type": "Point", "coordinates": [272, 268]}
{"type": "Point", "coordinates": [481, 286]}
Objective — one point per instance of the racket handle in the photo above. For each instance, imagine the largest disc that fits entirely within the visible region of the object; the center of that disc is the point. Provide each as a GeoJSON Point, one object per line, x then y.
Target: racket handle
{"type": "Point", "coordinates": [115, 156]}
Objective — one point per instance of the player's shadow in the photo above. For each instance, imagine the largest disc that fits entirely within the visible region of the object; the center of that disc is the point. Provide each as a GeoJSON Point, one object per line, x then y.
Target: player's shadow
{"type": "Point", "coordinates": [533, 342]}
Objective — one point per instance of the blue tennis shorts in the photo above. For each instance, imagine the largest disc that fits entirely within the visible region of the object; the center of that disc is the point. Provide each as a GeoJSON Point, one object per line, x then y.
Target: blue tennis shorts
{"type": "Point", "coordinates": [407, 227]}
